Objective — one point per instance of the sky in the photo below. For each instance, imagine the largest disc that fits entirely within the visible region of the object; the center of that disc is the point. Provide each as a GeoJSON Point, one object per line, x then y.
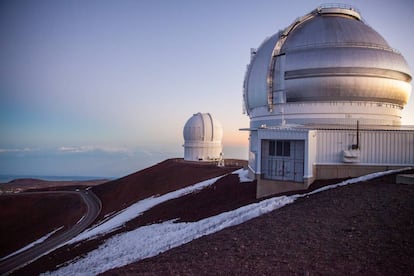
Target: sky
{"type": "Point", "coordinates": [104, 88]}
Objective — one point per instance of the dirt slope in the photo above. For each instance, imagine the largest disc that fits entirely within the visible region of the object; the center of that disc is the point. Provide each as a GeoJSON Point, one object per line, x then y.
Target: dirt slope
{"type": "Point", "coordinates": [27, 217]}
{"type": "Point", "coordinates": [162, 178]}
{"type": "Point", "coordinates": [167, 176]}
{"type": "Point", "coordinates": [365, 228]}
{"type": "Point", "coordinates": [362, 229]}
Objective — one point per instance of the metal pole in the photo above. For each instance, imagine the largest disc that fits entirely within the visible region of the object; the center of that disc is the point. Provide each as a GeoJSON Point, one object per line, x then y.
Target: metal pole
{"type": "Point", "coordinates": [357, 138]}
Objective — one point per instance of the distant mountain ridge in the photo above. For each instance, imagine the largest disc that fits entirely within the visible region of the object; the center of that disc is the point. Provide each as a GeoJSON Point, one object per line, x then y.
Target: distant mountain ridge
{"type": "Point", "coordinates": [6, 178]}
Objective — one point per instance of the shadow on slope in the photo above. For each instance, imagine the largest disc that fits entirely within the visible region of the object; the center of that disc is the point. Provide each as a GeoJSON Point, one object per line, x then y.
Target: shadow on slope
{"type": "Point", "coordinates": [365, 228]}
{"type": "Point", "coordinates": [167, 176]}
{"type": "Point", "coordinates": [27, 217]}
{"type": "Point", "coordinates": [162, 178]}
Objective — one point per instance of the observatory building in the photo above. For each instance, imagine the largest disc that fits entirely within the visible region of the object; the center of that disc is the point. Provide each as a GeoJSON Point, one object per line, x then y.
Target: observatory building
{"type": "Point", "coordinates": [202, 138]}
{"type": "Point", "coordinates": [324, 97]}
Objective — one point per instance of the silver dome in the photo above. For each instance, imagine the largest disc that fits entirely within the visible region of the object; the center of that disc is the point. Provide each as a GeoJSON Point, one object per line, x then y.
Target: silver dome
{"type": "Point", "coordinates": [329, 54]}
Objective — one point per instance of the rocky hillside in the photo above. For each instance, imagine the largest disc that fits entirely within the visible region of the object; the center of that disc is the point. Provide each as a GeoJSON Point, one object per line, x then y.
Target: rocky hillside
{"type": "Point", "coordinates": [363, 228]}
{"type": "Point", "coordinates": [360, 229]}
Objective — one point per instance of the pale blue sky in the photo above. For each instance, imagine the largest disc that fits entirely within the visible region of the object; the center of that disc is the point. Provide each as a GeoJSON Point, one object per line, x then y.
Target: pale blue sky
{"type": "Point", "coordinates": [104, 87]}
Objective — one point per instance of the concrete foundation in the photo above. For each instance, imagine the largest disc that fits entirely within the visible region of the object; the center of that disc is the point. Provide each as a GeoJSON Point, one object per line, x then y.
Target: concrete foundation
{"type": "Point", "coordinates": [405, 179]}
{"type": "Point", "coordinates": [349, 170]}
{"type": "Point", "coordinates": [267, 187]}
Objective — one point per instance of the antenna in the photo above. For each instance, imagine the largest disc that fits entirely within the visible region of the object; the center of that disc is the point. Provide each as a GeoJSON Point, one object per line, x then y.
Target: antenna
{"type": "Point", "coordinates": [356, 146]}
{"type": "Point", "coordinates": [357, 134]}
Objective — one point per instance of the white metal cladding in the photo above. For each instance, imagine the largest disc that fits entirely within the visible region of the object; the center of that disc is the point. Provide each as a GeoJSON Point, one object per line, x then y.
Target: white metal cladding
{"type": "Point", "coordinates": [344, 56]}
{"type": "Point", "coordinates": [333, 28]}
{"type": "Point", "coordinates": [330, 55]}
{"type": "Point", "coordinates": [202, 151]}
{"type": "Point", "coordinates": [202, 127]}
{"type": "Point", "coordinates": [256, 77]}
{"type": "Point", "coordinates": [202, 138]}
{"type": "Point", "coordinates": [253, 141]}
{"type": "Point", "coordinates": [287, 166]}
{"type": "Point", "coordinates": [377, 147]}
{"type": "Point", "coordinates": [292, 133]}
{"type": "Point", "coordinates": [253, 148]}
{"type": "Point", "coordinates": [329, 68]}
{"type": "Point", "coordinates": [346, 113]}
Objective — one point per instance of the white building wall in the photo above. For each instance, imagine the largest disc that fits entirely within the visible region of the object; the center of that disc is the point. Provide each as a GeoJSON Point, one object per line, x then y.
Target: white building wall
{"type": "Point", "coordinates": [254, 144]}
{"type": "Point", "coordinates": [377, 147]}
{"type": "Point", "coordinates": [307, 135]}
{"type": "Point", "coordinates": [202, 151]}
{"type": "Point", "coordinates": [367, 113]}
{"type": "Point", "coordinates": [202, 138]}
{"type": "Point", "coordinates": [310, 154]}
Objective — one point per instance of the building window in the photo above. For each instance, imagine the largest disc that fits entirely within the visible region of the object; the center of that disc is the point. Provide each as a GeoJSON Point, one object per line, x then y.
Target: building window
{"type": "Point", "coordinates": [283, 148]}
{"type": "Point", "coordinates": [279, 148]}
{"type": "Point", "coordinates": [272, 145]}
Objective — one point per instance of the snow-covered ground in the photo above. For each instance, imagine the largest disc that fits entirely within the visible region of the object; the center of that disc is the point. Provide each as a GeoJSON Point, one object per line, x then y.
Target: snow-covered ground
{"type": "Point", "coordinates": [243, 175]}
{"type": "Point", "coordinates": [151, 240]}
{"type": "Point", "coordinates": [137, 209]}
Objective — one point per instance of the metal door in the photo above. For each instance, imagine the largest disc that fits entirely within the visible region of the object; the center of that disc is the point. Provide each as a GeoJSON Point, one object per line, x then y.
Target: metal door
{"type": "Point", "coordinates": [280, 164]}
{"type": "Point", "coordinates": [299, 160]}
{"type": "Point", "coordinates": [288, 170]}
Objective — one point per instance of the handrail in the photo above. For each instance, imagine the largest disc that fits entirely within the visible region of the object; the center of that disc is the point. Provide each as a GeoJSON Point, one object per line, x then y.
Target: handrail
{"type": "Point", "coordinates": [338, 5]}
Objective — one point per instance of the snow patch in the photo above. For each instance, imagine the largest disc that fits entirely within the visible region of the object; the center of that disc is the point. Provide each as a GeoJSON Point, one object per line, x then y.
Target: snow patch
{"type": "Point", "coordinates": [354, 180]}
{"type": "Point", "coordinates": [137, 209]}
{"type": "Point", "coordinates": [243, 175]}
{"type": "Point", "coordinates": [42, 239]}
{"type": "Point", "coordinates": [151, 240]}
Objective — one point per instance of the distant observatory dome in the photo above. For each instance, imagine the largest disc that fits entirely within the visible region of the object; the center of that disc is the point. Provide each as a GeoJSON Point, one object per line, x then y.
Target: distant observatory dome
{"type": "Point", "coordinates": [202, 138]}
{"type": "Point", "coordinates": [326, 67]}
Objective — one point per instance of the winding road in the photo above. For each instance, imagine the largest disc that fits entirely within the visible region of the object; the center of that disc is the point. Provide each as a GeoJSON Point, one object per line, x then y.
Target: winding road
{"type": "Point", "coordinates": [23, 258]}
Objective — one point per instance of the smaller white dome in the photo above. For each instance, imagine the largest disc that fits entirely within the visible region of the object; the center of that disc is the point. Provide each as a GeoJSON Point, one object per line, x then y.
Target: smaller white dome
{"type": "Point", "coordinates": [202, 138]}
{"type": "Point", "coordinates": [203, 127]}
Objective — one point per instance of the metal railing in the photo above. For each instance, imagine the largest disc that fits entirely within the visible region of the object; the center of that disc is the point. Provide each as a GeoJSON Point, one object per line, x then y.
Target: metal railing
{"type": "Point", "coordinates": [338, 5]}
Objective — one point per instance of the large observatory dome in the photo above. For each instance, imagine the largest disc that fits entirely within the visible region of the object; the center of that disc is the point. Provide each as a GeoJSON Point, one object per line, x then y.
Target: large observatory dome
{"type": "Point", "coordinates": [326, 67]}
{"type": "Point", "coordinates": [202, 138]}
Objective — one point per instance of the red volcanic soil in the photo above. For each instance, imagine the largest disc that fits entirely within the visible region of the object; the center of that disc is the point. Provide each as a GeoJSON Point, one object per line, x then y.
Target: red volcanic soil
{"type": "Point", "coordinates": [225, 195]}
{"type": "Point", "coordinates": [159, 179]}
{"type": "Point", "coordinates": [364, 229]}
{"type": "Point", "coordinates": [162, 178]}
{"type": "Point", "coordinates": [27, 217]}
